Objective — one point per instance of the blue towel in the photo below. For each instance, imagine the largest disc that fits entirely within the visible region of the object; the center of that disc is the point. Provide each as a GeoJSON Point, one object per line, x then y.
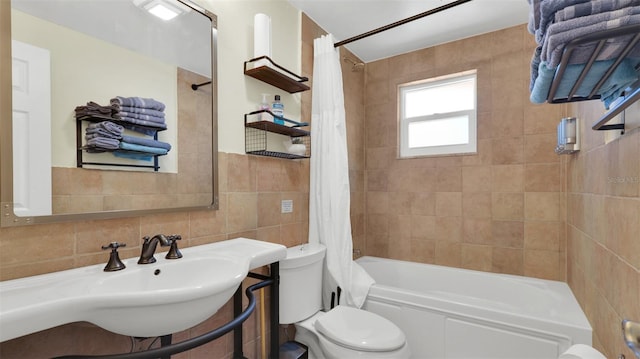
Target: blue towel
{"type": "Point", "coordinates": [140, 148]}
{"type": "Point", "coordinates": [133, 155]}
{"type": "Point", "coordinates": [146, 142]}
{"type": "Point", "coordinates": [622, 77]}
{"type": "Point", "coordinates": [142, 102]}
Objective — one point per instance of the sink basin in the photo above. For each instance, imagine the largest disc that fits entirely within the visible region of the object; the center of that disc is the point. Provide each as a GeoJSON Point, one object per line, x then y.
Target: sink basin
{"type": "Point", "coordinates": [141, 300]}
{"type": "Point", "coordinates": [164, 297]}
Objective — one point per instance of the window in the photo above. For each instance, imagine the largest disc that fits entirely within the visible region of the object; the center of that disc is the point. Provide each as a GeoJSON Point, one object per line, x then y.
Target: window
{"type": "Point", "coordinates": [438, 116]}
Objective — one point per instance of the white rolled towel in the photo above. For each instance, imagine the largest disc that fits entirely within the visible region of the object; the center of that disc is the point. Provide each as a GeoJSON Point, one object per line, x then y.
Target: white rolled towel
{"type": "Point", "coordinates": [581, 351]}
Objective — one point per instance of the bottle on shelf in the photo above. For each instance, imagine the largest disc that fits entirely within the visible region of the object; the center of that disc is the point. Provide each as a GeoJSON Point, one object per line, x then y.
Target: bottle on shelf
{"type": "Point", "coordinates": [277, 108]}
{"type": "Point", "coordinates": [264, 105]}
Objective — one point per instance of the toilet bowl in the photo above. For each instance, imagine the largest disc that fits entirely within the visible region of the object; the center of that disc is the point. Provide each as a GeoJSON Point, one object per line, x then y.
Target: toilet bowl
{"type": "Point", "coordinates": [341, 333]}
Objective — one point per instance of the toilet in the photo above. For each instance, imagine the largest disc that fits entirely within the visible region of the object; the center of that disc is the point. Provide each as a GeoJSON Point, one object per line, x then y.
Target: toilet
{"type": "Point", "coordinates": [341, 333]}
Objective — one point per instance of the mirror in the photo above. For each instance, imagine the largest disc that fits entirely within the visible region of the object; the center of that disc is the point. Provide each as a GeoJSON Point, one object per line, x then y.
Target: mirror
{"type": "Point", "coordinates": [105, 54]}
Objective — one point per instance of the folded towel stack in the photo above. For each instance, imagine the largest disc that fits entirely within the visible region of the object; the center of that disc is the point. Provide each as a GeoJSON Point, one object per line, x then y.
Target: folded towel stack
{"type": "Point", "coordinates": [94, 110]}
{"type": "Point", "coordinates": [139, 111]}
{"type": "Point", "coordinates": [142, 115]}
{"type": "Point", "coordinates": [103, 136]}
{"type": "Point", "coordinates": [556, 23]}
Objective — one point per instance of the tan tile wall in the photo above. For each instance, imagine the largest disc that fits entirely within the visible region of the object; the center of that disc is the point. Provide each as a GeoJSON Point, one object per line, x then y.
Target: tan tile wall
{"type": "Point", "coordinates": [500, 210]}
{"type": "Point", "coordinates": [603, 229]}
{"type": "Point", "coordinates": [251, 189]}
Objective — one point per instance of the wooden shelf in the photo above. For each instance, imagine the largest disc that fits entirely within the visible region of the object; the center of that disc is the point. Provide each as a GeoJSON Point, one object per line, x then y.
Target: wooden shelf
{"type": "Point", "coordinates": [276, 75]}
{"type": "Point", "coordinates": [256, 136]}
{"type": "Point", "coordinates": [276, 128]}
{"type": "Point", "coordinates": [289, 156]}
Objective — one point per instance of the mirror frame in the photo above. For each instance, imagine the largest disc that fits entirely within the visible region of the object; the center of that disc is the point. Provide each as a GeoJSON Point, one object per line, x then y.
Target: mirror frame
{"type": "Point", "coordinates": [8, 217]}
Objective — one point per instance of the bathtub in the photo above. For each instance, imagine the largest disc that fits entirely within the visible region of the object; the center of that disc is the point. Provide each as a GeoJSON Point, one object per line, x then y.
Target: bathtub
{"type": "Point", "coordinates": [457, 313]}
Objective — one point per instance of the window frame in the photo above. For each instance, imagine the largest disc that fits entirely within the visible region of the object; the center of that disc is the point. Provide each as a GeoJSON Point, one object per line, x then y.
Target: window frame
{"type": "Point", "coordinates": [403, 123]}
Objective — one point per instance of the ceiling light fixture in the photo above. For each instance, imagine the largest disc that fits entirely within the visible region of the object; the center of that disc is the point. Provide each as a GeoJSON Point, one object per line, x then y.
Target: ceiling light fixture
{"type": "Point", "coordinates": [159, 8]}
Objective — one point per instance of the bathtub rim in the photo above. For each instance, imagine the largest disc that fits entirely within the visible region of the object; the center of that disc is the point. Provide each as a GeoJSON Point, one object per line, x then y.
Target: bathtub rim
{"type": "Point", "coordinates": [579, 326]}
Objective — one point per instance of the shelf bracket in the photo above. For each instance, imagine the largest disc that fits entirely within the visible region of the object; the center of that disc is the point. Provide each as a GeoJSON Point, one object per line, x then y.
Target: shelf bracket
{"type": "Point", "coordinates": [601, 124]}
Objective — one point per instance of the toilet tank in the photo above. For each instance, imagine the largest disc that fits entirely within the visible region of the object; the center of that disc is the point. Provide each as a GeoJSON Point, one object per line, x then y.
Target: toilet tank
{"type": "Point", "coordinates": [301, 282]}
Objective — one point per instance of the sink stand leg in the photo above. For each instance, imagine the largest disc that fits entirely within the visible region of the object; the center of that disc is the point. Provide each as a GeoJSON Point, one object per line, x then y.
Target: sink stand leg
{"type": "Point", "coordinates": [165, 340]}
{"type": "Point", "coordinates": [274, 308]}
{"type": "Point", "coordinates": [237, 331]}
{"type": "Point", "coordinates": [274, 304]}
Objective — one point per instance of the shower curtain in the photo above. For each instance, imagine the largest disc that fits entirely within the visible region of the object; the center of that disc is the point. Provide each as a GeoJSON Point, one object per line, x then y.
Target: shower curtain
{"type": "Point", "coordinates": [329, 193]}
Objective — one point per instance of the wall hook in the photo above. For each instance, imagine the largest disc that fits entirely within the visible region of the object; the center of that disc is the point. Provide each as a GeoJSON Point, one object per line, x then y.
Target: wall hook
{"type": "Point", "coordinates": [195, 87]}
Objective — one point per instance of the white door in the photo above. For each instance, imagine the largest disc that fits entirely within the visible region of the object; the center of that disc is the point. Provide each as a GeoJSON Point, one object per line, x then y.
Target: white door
{"type": "Point", "coordinates": [31, 130]}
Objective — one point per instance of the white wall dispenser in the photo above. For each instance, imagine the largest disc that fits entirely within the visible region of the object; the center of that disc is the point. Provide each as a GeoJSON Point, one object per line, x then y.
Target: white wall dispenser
{"type": "Point", "coordinates": [568, 136]}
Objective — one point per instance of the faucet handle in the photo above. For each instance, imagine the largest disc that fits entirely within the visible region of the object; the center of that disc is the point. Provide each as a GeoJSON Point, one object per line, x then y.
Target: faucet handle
{"type": "Point", "coordinates": [114, 246]}
{"type": "Point", "coordinates": [114, 264]}
{"type": "Point", "coordinates": [174, 252]}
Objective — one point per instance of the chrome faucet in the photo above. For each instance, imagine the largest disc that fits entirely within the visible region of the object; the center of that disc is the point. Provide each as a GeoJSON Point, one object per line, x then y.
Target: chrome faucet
{"type": "Point", "coordinates": [149, 248]}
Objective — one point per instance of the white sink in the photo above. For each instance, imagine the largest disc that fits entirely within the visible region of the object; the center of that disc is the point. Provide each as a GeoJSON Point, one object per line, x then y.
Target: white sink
{"type": "Point", "coordinates": [164, 297]}
{"type": "Point", "coordinates": [141, 300]}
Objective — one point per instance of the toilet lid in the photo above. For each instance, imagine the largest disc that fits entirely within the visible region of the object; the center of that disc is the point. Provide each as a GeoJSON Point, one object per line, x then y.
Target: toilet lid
{"type": "Point", "coordinates": [359, 330]}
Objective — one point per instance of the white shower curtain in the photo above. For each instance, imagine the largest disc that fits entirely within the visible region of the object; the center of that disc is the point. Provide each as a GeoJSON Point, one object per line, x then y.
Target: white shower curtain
{"type": "Point", "coordinates": [329, 193]}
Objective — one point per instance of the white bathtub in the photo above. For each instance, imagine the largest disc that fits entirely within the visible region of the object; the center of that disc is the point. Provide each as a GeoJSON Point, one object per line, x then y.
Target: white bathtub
{"type": "Point", "coordinates": [456, 313]}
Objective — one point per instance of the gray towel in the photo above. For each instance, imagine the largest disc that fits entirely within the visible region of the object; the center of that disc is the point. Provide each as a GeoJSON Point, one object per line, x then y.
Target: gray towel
{"type": "Point", "coordinates": [100, 132]}
{"type": "Point", "coordinates": [534, 16]}
{"type": "Point", "coordinates": [107, 126]}
{"type": "Point", "coordinates": [592, 7]}
{"type": "Point", "coordinates": [142, 102]}
{"type": "Point", "coordinates": [136, 121]}
{"type": "Point", "coordinates": [548, 10]}
{"type": "Point", "coordinates": [145, 111]}
{"type": "Point", "coordinates": [141, 116]}
{"type": "Point", "coordinates": [561, 33]}
{"type": "Point", "coordinates": [535, 63]}
{"type": "Point", "coordinates": [103, 142]}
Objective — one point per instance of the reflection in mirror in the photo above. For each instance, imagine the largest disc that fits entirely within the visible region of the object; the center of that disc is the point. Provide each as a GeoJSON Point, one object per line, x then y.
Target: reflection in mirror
{"type": "Point", "coordinates": [80, 149]}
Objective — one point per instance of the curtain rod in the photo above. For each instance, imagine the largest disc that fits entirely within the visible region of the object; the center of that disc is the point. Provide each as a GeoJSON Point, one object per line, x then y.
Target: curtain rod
{"type": "Point", "coordinates": [401, 22]}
